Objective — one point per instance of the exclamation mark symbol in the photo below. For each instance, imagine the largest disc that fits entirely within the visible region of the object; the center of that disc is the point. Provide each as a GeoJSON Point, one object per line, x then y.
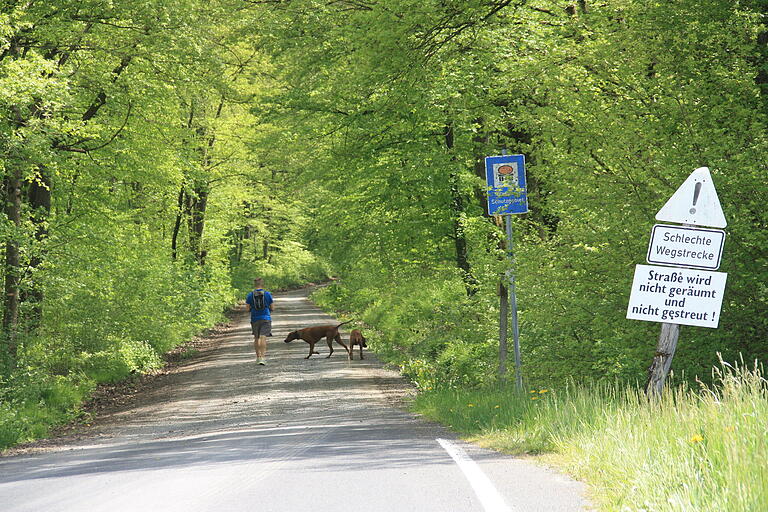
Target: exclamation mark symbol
{"type": "Point", "coordinates": [696, 192]}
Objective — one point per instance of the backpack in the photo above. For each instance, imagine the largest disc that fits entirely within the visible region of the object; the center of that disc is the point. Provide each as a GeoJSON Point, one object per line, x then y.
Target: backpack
{"type": "Point", "coordinates": [259, 301]}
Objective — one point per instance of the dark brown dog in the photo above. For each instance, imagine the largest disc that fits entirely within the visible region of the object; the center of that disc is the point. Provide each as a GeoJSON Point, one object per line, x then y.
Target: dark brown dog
{"type": "Point", "coordinates": [356, 338]}
{"type": "Point", "coordinates": [314, 334]}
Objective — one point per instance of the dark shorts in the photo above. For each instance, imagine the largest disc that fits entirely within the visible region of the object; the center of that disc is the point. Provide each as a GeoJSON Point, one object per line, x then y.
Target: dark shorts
{"type": "Point", "coordinates": [261, 328]}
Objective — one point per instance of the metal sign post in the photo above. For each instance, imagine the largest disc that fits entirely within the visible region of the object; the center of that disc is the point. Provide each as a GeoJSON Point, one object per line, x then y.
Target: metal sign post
{"type": "Point", "coordinates": [513, 303]}
{"type": "Point", "coordinates": [507, 195]}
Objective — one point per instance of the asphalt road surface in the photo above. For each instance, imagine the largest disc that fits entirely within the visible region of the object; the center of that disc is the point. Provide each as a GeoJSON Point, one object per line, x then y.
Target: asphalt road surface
{"type": "Point", "coordinates": [223, 434]}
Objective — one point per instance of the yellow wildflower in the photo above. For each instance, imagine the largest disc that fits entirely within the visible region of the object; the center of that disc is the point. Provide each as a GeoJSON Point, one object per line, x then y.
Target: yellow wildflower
{"type": "Point", "coordinates": [696, 438]}
{"type": "Point", "coordinates": [470, 405]}
{"type": "Point", "coordinates": [543, 391]}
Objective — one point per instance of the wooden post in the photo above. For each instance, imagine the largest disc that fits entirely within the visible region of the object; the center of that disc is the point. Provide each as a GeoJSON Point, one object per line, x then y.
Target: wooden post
{"type": "Point", "coordinates": [662, 361]}
{"type": "Point", "coordinates": [503, 329]}
{"type": "Point", "coordinates": [10, 329]}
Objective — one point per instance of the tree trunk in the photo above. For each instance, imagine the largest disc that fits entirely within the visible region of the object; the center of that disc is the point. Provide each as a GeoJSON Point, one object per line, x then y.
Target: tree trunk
{"type": "Point", "coordinates": [39, 197]}
{"type": "Point", "coordinates": [480, 142]}
{"type": "Point", "coordinates": [177, 224]}
{"type": "Point", "coordinates": [12, 262]}
{"type": "Point", "coordinates": [236, 252]}
{"type": "Point", "coordinates": [457, 207]}
{"type": "Point", "coordinates": [197, 201]}
{"type": "Point", "coordinates": [761, 60]}
{"type": "Point", "coordinates": [503, 330]}
{"type": "Point", "coordinates": [196, 206]}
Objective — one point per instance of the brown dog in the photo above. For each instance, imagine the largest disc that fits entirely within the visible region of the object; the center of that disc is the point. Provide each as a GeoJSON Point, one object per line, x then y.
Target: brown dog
{"type": "Point", "coordinates": [356, 338]}
{"type": "Point", "coordinates": [314, 334]}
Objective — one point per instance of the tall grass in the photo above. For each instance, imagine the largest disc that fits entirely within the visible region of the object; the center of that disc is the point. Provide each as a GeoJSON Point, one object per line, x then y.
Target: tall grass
{"type": "Point", "coordinates": [699, 450]}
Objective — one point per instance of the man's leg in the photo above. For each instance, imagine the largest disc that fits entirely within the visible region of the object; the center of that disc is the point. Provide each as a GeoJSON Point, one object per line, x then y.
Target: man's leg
{"type": "Point", "coordinates": [261, 350]}
{"type": "Point", "coordinates": [255, 330]}
{"type": "Point", "coordinates": [260, 332]}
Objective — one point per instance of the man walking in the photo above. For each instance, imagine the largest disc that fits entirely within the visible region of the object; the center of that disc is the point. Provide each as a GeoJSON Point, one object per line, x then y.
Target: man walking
{"type": "Point", "coordinates": [259, 303]}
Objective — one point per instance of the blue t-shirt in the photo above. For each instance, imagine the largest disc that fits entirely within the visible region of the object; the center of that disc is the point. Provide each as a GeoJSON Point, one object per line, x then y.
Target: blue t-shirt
{"type": "Point", "coordinates": [260, 314]}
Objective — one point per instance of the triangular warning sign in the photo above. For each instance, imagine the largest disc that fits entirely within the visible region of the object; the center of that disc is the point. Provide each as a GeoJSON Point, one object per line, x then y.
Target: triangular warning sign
{"type": "Point", "coordinates": [695, 202]}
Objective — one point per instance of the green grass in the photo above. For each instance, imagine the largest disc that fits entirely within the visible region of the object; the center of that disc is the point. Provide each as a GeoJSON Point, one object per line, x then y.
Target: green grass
{"type": "Point", "coordinates": [692, 450]}
{"type": "Point", "coordinates": [46, 401]}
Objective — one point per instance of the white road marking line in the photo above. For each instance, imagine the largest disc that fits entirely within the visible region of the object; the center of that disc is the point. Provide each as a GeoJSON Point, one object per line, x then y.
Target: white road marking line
{"type": "Point", "coordinates": [490, 498]}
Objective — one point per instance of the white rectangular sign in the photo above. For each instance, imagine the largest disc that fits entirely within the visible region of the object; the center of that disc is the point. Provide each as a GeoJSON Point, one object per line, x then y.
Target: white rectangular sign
{"type": "Point", "coordinates": [686, 247]}
{"type": "Point", "coordinates": [676, 296]}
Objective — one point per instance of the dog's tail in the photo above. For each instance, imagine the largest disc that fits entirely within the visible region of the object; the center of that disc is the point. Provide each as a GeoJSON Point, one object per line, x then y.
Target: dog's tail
{"type": "Point", "coordinates": [342, 323]}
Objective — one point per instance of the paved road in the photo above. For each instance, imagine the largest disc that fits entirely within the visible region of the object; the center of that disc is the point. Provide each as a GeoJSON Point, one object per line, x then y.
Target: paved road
{"type": "Point", "coordinates": [223, 434]}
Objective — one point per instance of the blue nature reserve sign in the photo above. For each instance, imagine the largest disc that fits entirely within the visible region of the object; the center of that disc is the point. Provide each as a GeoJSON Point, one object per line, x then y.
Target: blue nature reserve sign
{"type": "Point", "coordinates": [507, 191]}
